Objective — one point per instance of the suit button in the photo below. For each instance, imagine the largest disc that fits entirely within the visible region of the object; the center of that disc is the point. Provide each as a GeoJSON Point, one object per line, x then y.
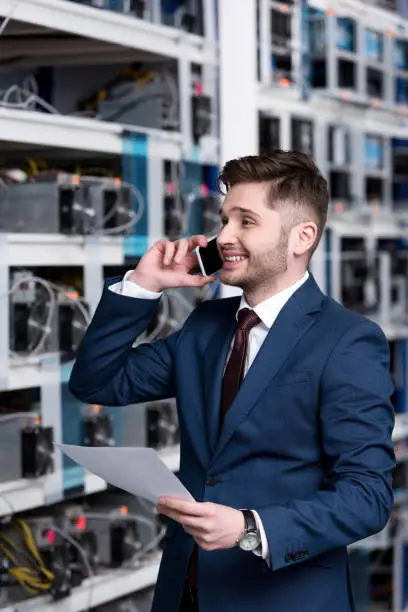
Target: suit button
{"type": "Point", "coordinates": [289, 558]}
{"type": "Point", "coordinates": [211, 481]}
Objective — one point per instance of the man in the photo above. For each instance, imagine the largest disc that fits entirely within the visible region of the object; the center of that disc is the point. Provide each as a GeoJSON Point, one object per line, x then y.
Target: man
{"type": "Point", "coordinates": [283, 400]}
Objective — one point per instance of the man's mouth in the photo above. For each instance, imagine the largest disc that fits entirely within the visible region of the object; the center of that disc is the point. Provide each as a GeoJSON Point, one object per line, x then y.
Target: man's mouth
{"type": "Point", "coordinates": [233, 260]}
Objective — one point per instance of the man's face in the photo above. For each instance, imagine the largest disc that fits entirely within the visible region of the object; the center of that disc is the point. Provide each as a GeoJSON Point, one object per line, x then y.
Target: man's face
{"type": "Point", "coordinates": [251, 231]}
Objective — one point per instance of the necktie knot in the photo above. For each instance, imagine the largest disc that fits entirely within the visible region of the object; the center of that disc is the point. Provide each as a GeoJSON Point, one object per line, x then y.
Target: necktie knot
{"type": "Point", "coordinates": [247, 319]}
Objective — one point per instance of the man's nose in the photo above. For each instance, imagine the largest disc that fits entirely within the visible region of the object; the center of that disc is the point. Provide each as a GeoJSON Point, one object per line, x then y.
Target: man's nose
{"type": "Point", "coordinates": [227, 235]}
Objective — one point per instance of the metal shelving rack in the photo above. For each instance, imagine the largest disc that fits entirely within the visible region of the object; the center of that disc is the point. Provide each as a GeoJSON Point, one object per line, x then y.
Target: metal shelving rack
{"type": "Point", "coordinates": [78, 33]}
{"type": "Point", "coordinates": [271, 85]}
{"type": "Point", "coordinates": [247, 75]}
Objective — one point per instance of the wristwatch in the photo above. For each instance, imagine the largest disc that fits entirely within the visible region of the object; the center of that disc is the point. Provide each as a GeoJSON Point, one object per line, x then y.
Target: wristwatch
{"type": "Point", "coordinates": [250, 539]}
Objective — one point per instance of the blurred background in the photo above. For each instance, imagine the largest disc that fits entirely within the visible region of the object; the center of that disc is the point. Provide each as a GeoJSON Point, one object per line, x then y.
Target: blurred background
{"type": "Point", "coordinates": [115, 117]}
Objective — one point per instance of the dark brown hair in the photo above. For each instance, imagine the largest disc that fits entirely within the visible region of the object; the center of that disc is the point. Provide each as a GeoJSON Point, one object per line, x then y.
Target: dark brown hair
{"type": "Point", "coordinates": [296, 185]}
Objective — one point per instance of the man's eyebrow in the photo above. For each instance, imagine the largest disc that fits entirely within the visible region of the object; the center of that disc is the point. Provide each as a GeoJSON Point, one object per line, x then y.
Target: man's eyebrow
{"type": "Point", "coordinates": [246, 211]}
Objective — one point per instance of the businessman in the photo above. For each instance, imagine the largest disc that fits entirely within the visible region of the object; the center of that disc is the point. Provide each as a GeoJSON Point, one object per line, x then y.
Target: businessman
{"type": "Point", "coordinates": [283, 398]}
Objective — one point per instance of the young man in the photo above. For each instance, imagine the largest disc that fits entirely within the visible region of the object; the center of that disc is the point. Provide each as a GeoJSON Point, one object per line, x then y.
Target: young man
{"type": "Point", "coordinates": [283, 400]}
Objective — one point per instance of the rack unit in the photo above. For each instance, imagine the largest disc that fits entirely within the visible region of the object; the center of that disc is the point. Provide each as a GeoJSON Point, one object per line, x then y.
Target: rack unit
{"type": "Point", "coordinates": [62, 33]}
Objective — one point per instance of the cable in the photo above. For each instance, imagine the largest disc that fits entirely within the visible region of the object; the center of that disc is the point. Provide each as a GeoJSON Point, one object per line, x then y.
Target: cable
{"type": "Point", "coordinates": [9, 16]}
{"type": "Point", "coordinates": [79, 302]}
{"type": "Point", "coordinates": [126, 106]}
{"type": "Point", "coordinates": [47, 326]}
{"type": "Point", "coordinates": [52, 303]}
{"type": "Point", "coordinates": [138, 518]}
{"type": "Point", "coordinates": [134, 217]}
{"type": "Point", "coordinates": [83, 554]}
{"type": "Point", "coordinates": [25, 100]}
{"type": "Point", "coordinates": [29, 569]}
{"type": "Point", "coordinates": [9, 504]}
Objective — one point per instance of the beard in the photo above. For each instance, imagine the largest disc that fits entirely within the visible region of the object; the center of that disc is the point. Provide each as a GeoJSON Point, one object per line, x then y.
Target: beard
{"type": "Point", "coordinates": [261, 271]}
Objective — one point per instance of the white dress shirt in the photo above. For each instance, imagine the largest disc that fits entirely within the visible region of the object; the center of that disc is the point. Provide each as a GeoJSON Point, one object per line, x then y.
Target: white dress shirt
{"type": "Point", "coordinates": [267, 311]}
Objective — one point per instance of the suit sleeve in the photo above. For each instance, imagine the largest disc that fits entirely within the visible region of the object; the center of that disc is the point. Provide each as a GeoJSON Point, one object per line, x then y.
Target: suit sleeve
{"type": "Point", "coordinates": [356, 422]}
{"type": "Point", "coordinates": [108, 370]}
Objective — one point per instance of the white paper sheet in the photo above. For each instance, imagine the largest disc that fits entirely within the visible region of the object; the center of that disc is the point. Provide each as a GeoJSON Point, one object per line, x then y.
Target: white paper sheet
{"type": "Point", "coordinates": [137, 470]}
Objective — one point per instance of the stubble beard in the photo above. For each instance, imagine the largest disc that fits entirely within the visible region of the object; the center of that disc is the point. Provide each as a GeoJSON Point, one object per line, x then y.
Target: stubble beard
{"type": "Point", "coordinates": [262, 270]}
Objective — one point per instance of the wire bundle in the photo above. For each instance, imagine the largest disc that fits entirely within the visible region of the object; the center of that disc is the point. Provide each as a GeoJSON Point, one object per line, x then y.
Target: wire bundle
{"type": "Point", "coordinates": [18, 546]}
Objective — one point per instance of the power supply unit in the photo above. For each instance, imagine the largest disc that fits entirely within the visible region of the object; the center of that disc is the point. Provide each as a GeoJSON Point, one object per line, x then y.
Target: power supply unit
{"type": "Point", "coordinates": [53, 206]}
{"type": "Point", "coordinates": [116, 535]}
{"type": "Point", "coordinates": [36, 446]}
{"type": "Point", "coordinates": [64, 334]}
{"type": "Point", "coordinates": [26, 448]}
{"type": "Point", "coordinates": [201, 112]}
{"type": "Point", "coordinates": [152, 424]}
{"type": "Point", "coordinates": [54, 552]}
{"type": "Point", "coordinates": [150, 526]}
{"type": "Point", "coordinates": [97, 428]}
{"type": "Point", "coordinates": [112, 202]}
{"type": "Point", "coordinates": [72, 522]}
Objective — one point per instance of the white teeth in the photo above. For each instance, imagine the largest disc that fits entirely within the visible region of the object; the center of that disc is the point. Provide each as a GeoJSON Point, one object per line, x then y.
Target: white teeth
{"type": "Point", "coordinates": [234, 258]}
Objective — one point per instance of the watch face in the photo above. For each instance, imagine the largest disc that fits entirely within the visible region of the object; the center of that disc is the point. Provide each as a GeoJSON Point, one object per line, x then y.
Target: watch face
{"type": "Point", "coordinates": [250, 541]}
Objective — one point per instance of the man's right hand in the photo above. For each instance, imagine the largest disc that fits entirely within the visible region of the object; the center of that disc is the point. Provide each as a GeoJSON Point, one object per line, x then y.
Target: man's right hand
{"type": "Point", "coordinates": [166, 265]}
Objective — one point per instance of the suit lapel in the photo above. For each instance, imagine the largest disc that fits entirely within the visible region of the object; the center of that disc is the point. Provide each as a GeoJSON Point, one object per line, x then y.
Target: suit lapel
{"type": "Point", "coordinates": [295, 318]}
{"type": "Point", "coordinates": [215, 358]}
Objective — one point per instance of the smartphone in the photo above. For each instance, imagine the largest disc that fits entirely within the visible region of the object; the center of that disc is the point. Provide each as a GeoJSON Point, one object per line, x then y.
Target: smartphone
{"type": "Point", "coordinates": [209, 258]}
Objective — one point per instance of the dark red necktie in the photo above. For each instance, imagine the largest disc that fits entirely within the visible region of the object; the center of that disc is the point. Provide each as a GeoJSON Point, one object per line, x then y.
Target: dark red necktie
{"type": "Point", "coordinates": [233, 376]}
{"type": "Point", "coordinates": [234, 372]}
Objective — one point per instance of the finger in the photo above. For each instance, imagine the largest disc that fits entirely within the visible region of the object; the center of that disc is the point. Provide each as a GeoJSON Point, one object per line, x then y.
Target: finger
{"type": "Point", "coordinates": [197, 240]}
{"type": "Point", "coordinates": [206, 543]}
{"type": "Point", "coordinates": [183, 506]}
{"type": "Point", "coordinates": [195, 532]}
{"type": "Point", "coordinates": [181, 251]}
{"type": "Point", "coordinates": [168, 254]}
{"type": "Point", "coordinates": [176, 516]}
{"type": "Point", "coordinates": [200, 281]}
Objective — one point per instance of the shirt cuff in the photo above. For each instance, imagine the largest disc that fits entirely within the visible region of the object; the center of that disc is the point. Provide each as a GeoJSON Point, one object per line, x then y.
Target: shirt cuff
{"type": "Point", "coordinates": [263, 549]}
{"type": "Point", "coordinates": [130, 289]}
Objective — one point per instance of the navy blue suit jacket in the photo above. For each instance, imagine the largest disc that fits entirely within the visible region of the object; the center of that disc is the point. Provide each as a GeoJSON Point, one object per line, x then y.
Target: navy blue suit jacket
{"type": "Point", "coordinates": [306, 442]}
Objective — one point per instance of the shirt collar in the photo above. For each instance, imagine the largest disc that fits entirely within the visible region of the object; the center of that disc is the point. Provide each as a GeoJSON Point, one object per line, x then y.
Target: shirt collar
{"type": "Point", "coordinates": [268, 309]}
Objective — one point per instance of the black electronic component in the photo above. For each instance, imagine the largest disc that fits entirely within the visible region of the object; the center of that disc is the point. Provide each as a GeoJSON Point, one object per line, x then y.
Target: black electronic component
{"type": "Point", "coordinates": [210, 206]}
{"type": "Point", "coordinates": [52, 204]}
{"type": "Point", "coordinates": [174, 216]}
{"type": "Point", "coordinates": [115, 534]}
{"type": "Point", "coordinates": [162, 425]}
{"type": "Point", "coordinates": [354, 273]}
{"type": "Point", "coordinates": [36, 449]}
{"type": "Point", "coordinates": [269, 134]}
{"type": "Point", "coordinates": [175, 222]}
{"type": "Point", "coordinates": [138, 8]}
{"type": "Point", "coordinates": [71, 327]}
{"type": "Point", "coordinates": [281, 28]}
{"type": "Point", "coordinates": [57, 560]}
{"type": "Point", "coordinates": [400, 477]}
{"type": "Point", "coordinates": [398, 254]}
{"type": "Point", "coordinates": [69, 220]}
{"type": "Point", "coordinates": [339, 183]}
{"type": "Point", "coordinates": [302, 136]}
{"type": "Point", "coordinates": [201, 116]}
{"type": "Point", "coordinates": [20, 328]}
{"type": "Point", "coordinates": [98, 430]}
{"type": "Point", "coordinates": [25, 539]}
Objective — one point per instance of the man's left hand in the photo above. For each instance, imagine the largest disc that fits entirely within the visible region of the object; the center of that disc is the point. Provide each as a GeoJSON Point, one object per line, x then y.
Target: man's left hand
{"type": "Point", "coordinates": [213, 526]}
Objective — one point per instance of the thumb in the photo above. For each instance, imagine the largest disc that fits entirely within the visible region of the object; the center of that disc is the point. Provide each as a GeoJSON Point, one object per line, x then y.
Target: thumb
{"type": "Point", "coordinates": [201, 281]}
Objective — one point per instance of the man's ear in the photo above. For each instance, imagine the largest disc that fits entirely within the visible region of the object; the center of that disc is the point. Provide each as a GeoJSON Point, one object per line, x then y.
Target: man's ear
{"type": "Point", "coordinates": [303, 237]}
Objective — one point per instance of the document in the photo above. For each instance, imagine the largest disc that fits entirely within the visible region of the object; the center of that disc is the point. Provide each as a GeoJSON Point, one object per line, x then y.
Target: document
{"type": "Point", "coordinates": [137, 470]}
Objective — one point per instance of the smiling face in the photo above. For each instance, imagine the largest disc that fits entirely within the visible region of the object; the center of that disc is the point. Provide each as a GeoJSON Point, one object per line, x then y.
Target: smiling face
{"type": "Point", "coordinates": [264, 250]}
{"type": "Point", "coordinates": [252, 241]}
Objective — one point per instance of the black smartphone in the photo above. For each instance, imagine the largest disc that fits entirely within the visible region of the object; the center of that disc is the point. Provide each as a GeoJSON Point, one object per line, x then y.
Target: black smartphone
{"type": "Point", "coordinates": [209, 258]}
